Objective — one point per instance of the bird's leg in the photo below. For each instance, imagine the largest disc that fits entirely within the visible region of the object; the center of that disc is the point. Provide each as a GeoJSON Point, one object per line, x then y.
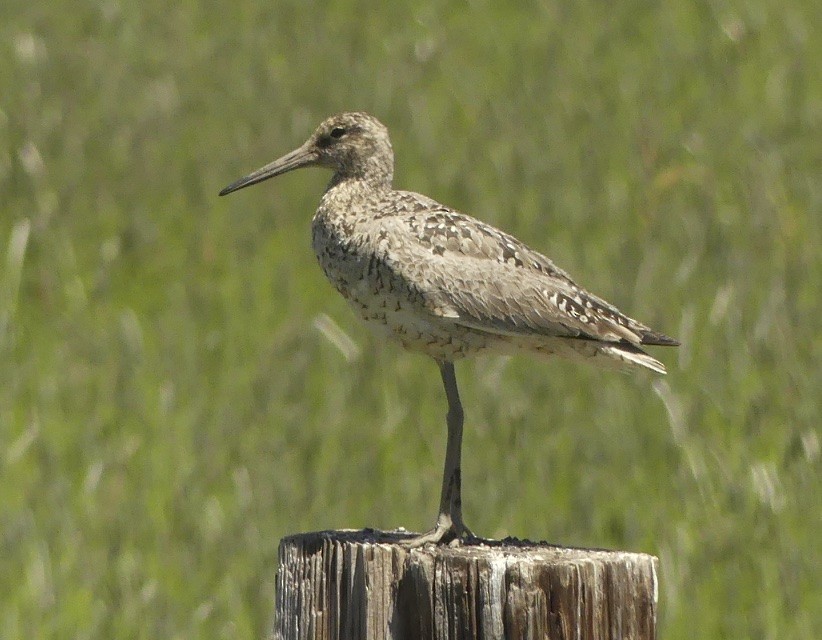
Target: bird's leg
{"type": "Point", "coordinates": [449, 521]}
{"type": "Point", "coordinates": [451, 496]}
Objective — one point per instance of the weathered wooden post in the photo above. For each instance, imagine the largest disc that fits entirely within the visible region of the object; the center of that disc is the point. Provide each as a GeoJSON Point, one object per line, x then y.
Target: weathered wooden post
{"type": "Point", "coordinates": [352, 585]}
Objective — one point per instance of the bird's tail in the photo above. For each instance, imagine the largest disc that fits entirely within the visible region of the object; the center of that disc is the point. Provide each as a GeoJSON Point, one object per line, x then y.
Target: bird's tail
{"type": "Point", "coordinates": [632, 356]}
{"type": "Point", "coordinates": [612, 355]}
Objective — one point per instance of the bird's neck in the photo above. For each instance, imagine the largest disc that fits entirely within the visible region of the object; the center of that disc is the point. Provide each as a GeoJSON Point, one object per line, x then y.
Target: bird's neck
{"type": "Point", "coordinates": [360, 182]}
{"type": "Point", "coordinates": [374, 172]}
{"type": "Point", "coordinates": [346, 191]}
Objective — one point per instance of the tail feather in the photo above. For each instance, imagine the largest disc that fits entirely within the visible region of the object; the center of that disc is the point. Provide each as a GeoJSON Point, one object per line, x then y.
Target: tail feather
{"type": "Point", "coordinates": [615, 355]}
{"type": "Point", "coordinates": [632, 355]}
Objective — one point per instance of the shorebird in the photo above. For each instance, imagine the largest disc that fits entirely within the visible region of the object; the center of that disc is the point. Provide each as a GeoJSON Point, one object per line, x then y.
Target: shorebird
{"type": "Point", "coordinates": [443, 283]}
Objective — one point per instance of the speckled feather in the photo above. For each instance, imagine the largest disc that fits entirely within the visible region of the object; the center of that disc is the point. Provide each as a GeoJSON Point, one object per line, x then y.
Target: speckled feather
{"type": "Point", "coordinates": [441, 282]}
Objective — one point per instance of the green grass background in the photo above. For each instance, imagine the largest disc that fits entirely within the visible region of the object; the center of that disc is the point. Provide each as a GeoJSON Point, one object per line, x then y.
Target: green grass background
{"type": "Point", "coordinates": [169, 407]}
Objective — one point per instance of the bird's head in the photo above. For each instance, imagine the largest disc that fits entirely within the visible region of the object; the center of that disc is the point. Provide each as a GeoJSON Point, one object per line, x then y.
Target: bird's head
{"type": "Point", "coordinates": [354, 145]}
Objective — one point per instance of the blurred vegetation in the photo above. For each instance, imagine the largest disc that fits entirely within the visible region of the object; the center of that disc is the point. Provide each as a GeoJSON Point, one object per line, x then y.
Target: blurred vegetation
{"type": "Point", "coordinates": [179, 387]}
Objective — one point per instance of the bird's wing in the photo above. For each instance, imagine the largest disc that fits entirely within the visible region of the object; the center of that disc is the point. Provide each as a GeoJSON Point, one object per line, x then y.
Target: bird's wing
{"type": "Point", "coordinates": [485, 279]}
{"type": "Point", "coordinates": [500, 298]}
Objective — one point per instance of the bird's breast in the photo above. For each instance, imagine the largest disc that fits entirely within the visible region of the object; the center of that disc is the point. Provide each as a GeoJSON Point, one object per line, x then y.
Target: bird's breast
{"type": "Point", "coordinates": [346, 254]}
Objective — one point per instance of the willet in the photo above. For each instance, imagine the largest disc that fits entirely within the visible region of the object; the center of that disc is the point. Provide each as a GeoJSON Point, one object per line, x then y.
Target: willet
{"type": "Point", "coordinates": [443, 283]}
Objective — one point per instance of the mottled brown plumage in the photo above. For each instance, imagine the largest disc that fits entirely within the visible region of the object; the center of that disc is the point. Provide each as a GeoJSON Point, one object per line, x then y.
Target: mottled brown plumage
{"type": "Point", "coordinates": [443, 283]}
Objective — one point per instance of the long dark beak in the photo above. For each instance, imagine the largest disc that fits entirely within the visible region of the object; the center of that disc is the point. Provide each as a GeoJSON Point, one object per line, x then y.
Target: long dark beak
{"type": "Point", "coordinates": [304, 156]}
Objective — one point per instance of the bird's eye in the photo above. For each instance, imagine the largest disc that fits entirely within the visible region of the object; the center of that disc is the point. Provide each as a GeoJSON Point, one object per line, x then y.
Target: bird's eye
{"type": "Point", "coordinates": [337, 132]}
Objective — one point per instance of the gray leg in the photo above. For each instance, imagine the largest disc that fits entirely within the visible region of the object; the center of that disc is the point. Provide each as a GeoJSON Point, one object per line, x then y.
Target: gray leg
{"type": "Point", "coordinates": [449, 521]}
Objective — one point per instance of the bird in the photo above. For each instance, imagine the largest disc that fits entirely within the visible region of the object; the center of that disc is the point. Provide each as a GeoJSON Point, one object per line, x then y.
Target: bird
{"type": "Point", "coordinates": [445, 284]}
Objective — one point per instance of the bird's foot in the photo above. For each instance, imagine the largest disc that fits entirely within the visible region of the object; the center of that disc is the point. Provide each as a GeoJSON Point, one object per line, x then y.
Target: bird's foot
{"type": "Point", "coordinates": [445, 532]}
